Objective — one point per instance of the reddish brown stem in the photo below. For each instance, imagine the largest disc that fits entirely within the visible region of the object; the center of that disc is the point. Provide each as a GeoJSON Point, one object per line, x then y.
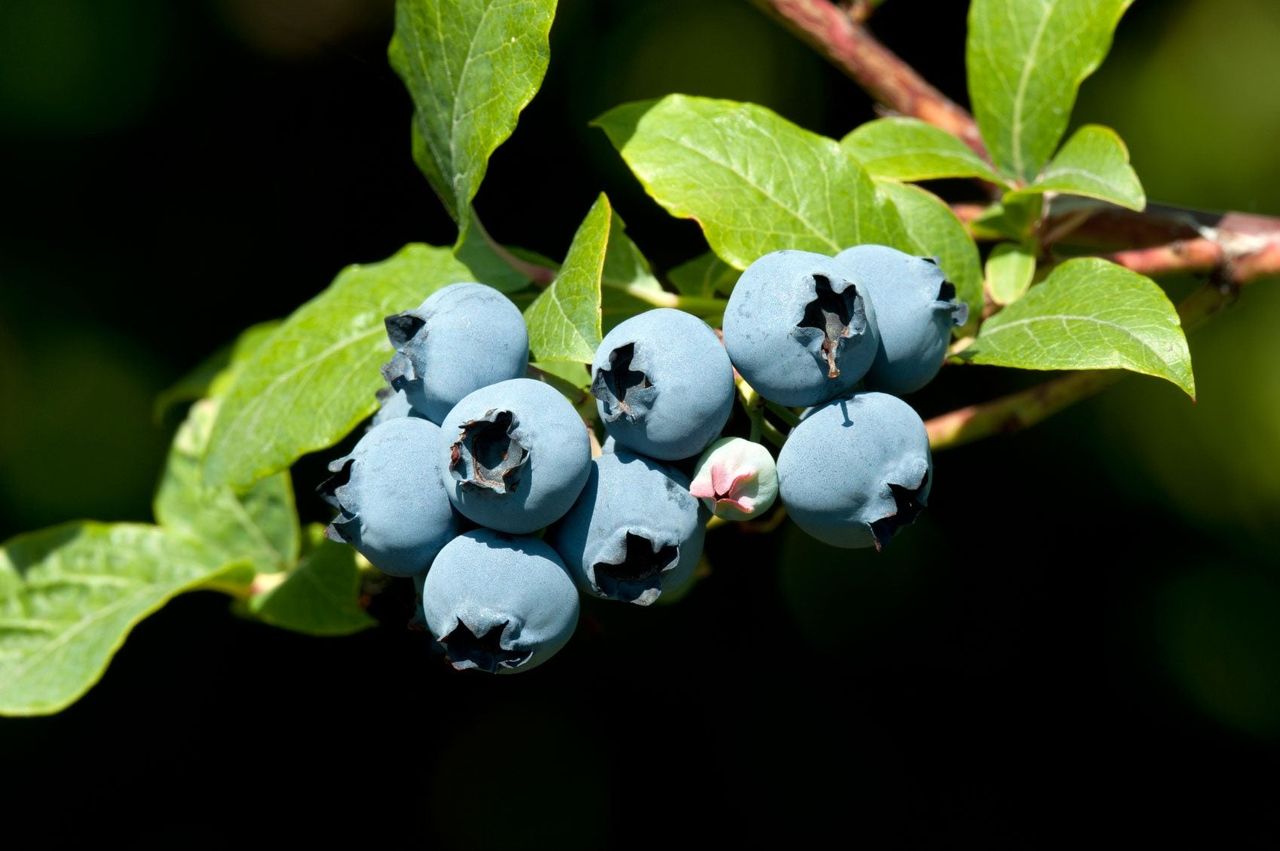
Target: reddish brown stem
{"type": "Point", "coordinates": [845, 42]}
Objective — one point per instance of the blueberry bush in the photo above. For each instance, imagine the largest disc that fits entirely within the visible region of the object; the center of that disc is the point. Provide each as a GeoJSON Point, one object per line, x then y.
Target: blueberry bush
{"type": "Point", "coordinates": [575, 427]}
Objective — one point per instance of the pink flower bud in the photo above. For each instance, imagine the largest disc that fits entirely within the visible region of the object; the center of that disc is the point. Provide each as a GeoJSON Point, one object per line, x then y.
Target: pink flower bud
{"type": "Point", "coordinates": [736, 479]}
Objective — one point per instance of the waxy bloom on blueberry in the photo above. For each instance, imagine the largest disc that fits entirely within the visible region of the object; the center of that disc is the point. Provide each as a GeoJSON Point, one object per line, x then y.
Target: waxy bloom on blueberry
{"type": "Point", "coordinates": [514, 455]}
{"type": "Point", "coordinates": [799, 329]}
{"type": "Point", "coordinates": [635, 532]}
{"type": "Point", "coordinates": [916, 308]}
{"type": "Point", "coordinates": [735, 479]}
{"type": "Point", "coordinates": [499, 603]}
{"type": "Point", "coordinates": [392, 506]}
{"type": "Point", "coordinates": [856, 470]}
{"type": "Point", "coordinates": [463, 337]}
{"type": "Point", "coordinates": [664, 384]}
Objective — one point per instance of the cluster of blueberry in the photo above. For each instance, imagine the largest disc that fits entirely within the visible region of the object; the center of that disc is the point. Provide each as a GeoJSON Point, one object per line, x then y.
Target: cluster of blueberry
{"type": "Point", "coordinates": [464, 439]}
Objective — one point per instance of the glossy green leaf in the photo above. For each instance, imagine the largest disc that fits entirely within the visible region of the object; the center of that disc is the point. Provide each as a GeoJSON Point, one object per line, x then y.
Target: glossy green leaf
{"type": "Point", "coordinates": [258, 526]}
{"type": "Point", "coordinates": [564, 320]}
{"type": "Point", "coordinates": [911, 149]}
{"type": "Point", "coordinates": [1010, 268]}
{"type": "Point", "coordinates": [1089, 314]}
{"type": "Point", "coordinates": [704, 276]}
{"type": "Point", "coordinates": [755, 182]}
{"type": "Point", "coordinates": [936, 232]}
{"type": "Point", "coordinates": [69, 595]}
{"type": "Point", "coordinates": [321, 596]}
{"type": "Point", "coordinates": [314, 379]}
{"type": "Point", "coordinates": [1094, 163]}
{"type": "Point", "coordinates": [1026, 60]}
{"type": "Point", "coordinates": [470, 67]}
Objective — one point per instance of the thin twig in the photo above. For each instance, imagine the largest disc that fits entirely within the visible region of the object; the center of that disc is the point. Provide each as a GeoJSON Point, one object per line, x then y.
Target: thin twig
{"type": "Point", "coordinates": [846, 43]}
{"type": "Point", "coordinates": [1019, 410]}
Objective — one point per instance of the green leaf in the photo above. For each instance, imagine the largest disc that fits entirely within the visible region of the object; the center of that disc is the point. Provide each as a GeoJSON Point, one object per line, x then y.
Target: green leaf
{"type": "Point", "coordinates": [470, 67]}
{"type": "Point", "coordinates": [1026, 59]}
{"type": "Point", "coordinates": [628, 284]}
{"type": "Point", "coordinates": [474, 252]}
{"type": "Point", "coordinates": [1094, 163]}
{"type": "Point", "coordinates": [1089, 314]}
{"type": "Point", "coordinates": [935, 231]}
{"type": "Point", "coordinates": [70, 594]}
{"type": "Point", "coordinates": [314, 379]}
{"type": "Point", "coordinates": [1010, 268]}
{"type": "Point", "coordinates": [755, 182]}
{"type": "Point", "coordinates": [704, 276]}
{"type": "Point", "coordinates": [259, 526]}
{"type": "Point", "coordinates": [199, 382]}
{"type": "Point", "coordinates": [321, 596]}
{"type": "Point", "coordinates": [569, 377]}
{"type": "Point", "coordinates": [564, 321]}
{"type": "Point", "coordinates": [1013, 217]}
{"type": "Point", "coordinates": [910, 149]}
{"type": "Point", "coordinates": [625, 268]}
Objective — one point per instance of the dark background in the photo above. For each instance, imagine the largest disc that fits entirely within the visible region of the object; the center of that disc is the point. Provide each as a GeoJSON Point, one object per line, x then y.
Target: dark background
{"type": "Point", "coordinates": [1080, 639]}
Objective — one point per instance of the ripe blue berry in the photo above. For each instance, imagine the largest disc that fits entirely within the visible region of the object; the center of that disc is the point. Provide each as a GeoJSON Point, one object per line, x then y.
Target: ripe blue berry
{"type": "Point", "coordinates": [499, 603]}
{"type": "Point", "coordinates": [635, 531]}
{"type": "Point", "coordinates": [391, 504]}
{"type": "Point", "coordinates": [799, 329]}
{"type": "Point", "coordinates": [514, 455]}
{"type": "Point", "coordinates": [856, 470]}
{"type": "Point", "coordinates": [916, 308]}
{"type": "Point", "coordinates": [663, 384]}
{"type": "Point", "coordinates": [463, 337]}
{"type": "Point", "coordinates": [393, 405]}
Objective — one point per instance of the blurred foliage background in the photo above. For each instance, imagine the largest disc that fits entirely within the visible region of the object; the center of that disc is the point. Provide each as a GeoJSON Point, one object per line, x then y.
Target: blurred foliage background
{"type": "Point", "coordinates": [1083, 632]}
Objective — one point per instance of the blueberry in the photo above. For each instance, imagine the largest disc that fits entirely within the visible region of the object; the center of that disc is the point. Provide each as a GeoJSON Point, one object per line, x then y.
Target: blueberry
{"type": "Point", "coordinates": [391, 504]}
{"type": "Point", "coordinates": [499, 603]}
{"type": "Point", "coordinates": [462, 338]}
{"type": "Point", "coordinates": [393, 405]}
{"type": "Point", "coordinates": [856, 470]}
{"type": "Point", "coordinates": [916, 309]}
{"type": "Point", "coordinates": [635, 532]}
{"type": "Point", "coordinates": [663, 384]}
{"type": "Point", "coordinates": [735, 479]}
{"type": "Point", "coordinates": [799, 329]}
{"type": "Point", "coordinates": [514, 455]}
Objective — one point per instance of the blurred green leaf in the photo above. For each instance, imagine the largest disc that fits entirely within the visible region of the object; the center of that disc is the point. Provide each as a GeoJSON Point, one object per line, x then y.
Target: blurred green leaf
{"type": "Point", "coordinates": [1094, 163]}
{"type": "Point", "coordinates": [314, 379]}
{"type": "Point", "coordinates": [1011, 218]}
{"type": "Point", "coordinates": [564, 321]}
{"type": "Point", "coordinates": [1010, 268]}
{"type": "Point", "coordinates": [470, 66]}
{"type": "Point", "coordinates": [755, 182]}
{"type": "Point", "coordinates": [935, 231]}
{"type": "Point", "coordinates": [321, 596]}
{"type": "Point", "coordinates": [704, 276]}
{"type": "Point", "coordinates": [1026, 60]}
{"type": "Point", "coordinates": [1089, 314]}
{"type": "Point", "coordinates": [258, 526]}
{"type": "Point", "coordinates": [70, 594]}
{"type": "Point", "coordinates": [910, 149]}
